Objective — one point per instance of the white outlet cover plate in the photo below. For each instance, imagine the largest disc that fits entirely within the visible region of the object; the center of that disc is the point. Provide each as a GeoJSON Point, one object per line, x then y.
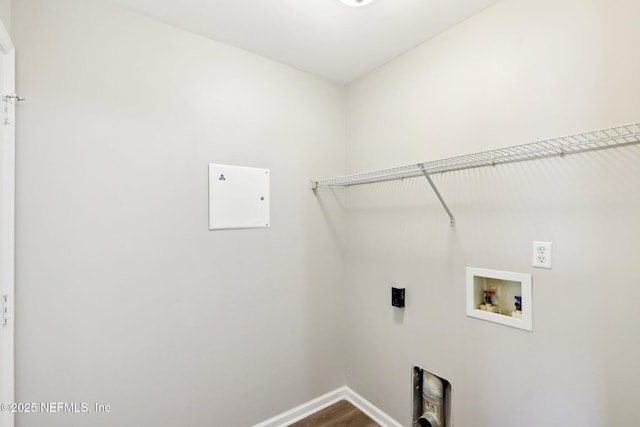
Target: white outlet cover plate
{"type": "Point", "coordinates": [542, 252]}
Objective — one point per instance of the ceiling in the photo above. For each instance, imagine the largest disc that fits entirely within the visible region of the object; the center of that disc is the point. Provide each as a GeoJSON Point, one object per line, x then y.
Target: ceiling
{"type": "Point", "coordinates": [324, 37]}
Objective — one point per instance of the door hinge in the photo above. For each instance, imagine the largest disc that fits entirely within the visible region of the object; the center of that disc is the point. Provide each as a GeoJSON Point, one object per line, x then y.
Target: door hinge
{"type": "Point", "coordinates": [7, 309]}
{"type": "Point", "coordinates": [9, 107]}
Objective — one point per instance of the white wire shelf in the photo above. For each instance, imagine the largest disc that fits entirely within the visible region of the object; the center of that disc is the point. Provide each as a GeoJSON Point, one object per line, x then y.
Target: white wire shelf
{"type": "Point", "coordinates": [594, 140]}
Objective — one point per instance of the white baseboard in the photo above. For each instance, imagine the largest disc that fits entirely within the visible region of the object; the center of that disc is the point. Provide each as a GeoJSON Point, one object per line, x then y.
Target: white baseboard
{"type": "Point", "coordinates": [375, 413]}
{"type": "Point", "coordinates": [315, 405]}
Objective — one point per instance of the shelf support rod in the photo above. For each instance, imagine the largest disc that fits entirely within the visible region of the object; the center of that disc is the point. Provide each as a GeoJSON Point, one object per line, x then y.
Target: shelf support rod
{"type": "Point", "coordinates": [452, 220]}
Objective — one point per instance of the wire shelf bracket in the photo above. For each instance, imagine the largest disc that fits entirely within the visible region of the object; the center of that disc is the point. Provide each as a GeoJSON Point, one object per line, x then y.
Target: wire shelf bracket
{"type": "Point", "coordinates": [577, 143]}
{"type": "Point", "coordinates": [452, 220]}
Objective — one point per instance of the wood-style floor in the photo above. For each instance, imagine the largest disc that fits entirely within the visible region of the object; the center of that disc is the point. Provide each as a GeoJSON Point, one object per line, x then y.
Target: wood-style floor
{"type": "Point", "coordinates": [341, 414]}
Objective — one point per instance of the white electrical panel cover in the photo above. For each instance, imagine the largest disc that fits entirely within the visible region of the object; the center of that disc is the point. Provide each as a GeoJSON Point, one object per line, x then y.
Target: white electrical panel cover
{"type": "Point", "coordinates": [238, 197]}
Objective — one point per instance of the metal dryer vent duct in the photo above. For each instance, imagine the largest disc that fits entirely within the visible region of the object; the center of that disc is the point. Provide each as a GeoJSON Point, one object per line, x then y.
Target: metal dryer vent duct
{"type": "Point", "coordinates": [431, 399]}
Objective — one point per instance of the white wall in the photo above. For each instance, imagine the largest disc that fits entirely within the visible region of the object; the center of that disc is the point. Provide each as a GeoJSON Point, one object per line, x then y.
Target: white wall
{"type": "Point", "coordinates": [123, 295]}
{"type": "Point", "coordinates": [518, 72]}
{"type": "Point", "coordinates": [5, 13]}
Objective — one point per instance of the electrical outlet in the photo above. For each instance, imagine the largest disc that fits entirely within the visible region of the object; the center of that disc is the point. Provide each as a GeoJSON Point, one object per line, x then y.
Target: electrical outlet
{"type": "Point", "coordinates": [397, 297]}
{"type": "Point", "coordinates": [542, 254]}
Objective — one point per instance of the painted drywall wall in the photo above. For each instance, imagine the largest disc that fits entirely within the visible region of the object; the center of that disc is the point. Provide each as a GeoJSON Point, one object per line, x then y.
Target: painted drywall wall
{"type": "Point", "coordinates": [123, 295]}
{"type": "Point", "coordinates": [518, 72]}
{"type": "Point", "coordinates": [5, 13]}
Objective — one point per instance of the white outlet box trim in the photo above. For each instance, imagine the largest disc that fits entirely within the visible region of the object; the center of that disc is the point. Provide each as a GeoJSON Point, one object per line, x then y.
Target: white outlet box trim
{"type": "Point", "coordinates": [526, 322]}
{"type": "Point", "coordinates": [547, 248]}
{"type": "Point", "coordinates": [343, 393]}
